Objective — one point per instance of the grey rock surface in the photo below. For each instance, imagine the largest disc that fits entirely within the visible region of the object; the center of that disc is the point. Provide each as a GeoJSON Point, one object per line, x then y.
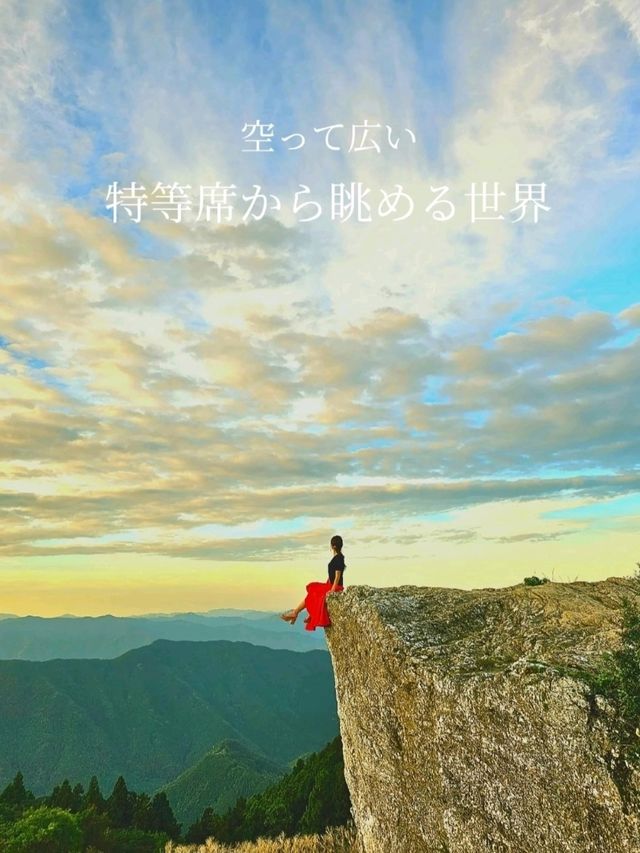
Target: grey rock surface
{"type": "Point", "coordinates": [466, 726]}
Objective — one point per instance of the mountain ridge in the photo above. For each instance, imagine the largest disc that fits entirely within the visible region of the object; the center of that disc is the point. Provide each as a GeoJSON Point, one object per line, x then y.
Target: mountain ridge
{"type": "Point", "coordinates": [229, 770]}
{"type": "Point", "coordinates": [107, 636]}
{"type": "Point", "coordinates": [153, 712]}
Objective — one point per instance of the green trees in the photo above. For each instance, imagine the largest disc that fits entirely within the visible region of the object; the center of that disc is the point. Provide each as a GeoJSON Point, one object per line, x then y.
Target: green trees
{"type": "Point", "coordinates": [70, 820]}
{"type": "Point", "coordinates": [126, 809]}
{"type": "Point", "coordinates": [44, 830]}
{"type": "Point", "coordinates": [310, 798]}
{"type": "Point", "coordinates": [15, 798]}
{"type": "Point", "coordinates": [93, 798]}
{"type": "Point", "coordinates": [121, 805]}
{"type": "Point", "coordinates": [618, 679]}
{"type": "Point", "coordinates": [66, 797]}
{"type": "Point", "coordinates": [161, 818]}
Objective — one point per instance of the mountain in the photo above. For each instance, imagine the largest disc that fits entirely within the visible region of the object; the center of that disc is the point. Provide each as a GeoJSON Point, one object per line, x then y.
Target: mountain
{"type": "Point", "coordinates": [154, 712]}
{"type": "Point", "coordinates": [208, 614]}
{"type": "Point", "coordinates": [39, 638]}
{"type": "Point", "coordinates": [228, 771]}
{"type": "Point", "coordinates": [311, 797]}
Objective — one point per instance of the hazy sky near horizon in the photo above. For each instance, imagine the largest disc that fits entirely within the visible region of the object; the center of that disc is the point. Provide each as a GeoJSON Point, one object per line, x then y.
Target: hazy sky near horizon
{"type": "Point", "coordinates": [190, 410]}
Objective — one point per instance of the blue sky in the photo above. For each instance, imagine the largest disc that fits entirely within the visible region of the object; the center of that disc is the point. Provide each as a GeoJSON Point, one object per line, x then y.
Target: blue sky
{"type": "Point", "coordinates": [191, 409]}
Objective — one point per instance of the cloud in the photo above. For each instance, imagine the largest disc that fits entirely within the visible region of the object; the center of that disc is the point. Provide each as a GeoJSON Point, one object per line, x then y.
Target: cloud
{"type": "Point", "coordinates": [159, 379]}
{"type": "Point", "coordinates": [631, 315]}
{"type": "Point", "coordinates": [534, 92]}
{"type": "Point", "coordinates": [147, 421]}
{"type": "Point", "coordinates": [629, 13]}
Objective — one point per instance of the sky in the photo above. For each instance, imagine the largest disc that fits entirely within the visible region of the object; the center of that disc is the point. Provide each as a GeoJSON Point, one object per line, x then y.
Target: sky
{"type": "Point", "coordinates": [191, 408]}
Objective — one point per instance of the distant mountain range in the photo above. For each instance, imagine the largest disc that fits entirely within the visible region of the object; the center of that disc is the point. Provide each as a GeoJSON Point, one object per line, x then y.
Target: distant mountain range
{"type": "Point", "coordinates": [39, 638]}
{"type": "Point", "coordinates": [218, 611]}
{"type": "Point", "coordinates": [228, 771]}
{"type": "Point", "coordinates": [156, 711]}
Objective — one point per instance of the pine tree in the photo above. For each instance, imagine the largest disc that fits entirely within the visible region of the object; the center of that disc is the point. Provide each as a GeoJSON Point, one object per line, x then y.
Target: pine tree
{"type": "Point", "coordinates": [142, 815]}
{"type": "Point", "coordinates": [94, 797]}
{"type": "Point", "coordinates": [15, 794]}
{"type": "Point", "coordinates": [62, 797]}
{"type": "Point", "coordinates": [120, 805]}
{"type": "Point", "coordinates": [77, 797]}
{"type": "Point", "coordinates": [207, 827]}
{"type": "Point", "coordinates": [162, 817]}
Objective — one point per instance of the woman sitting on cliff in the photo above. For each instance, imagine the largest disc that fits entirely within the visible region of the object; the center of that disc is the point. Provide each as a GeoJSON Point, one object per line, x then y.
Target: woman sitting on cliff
{"type": "Point", "coordinates": [315, 599]}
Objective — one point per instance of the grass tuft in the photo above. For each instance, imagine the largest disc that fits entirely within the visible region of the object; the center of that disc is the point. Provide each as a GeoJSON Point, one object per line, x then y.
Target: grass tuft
{"type": "Point", "coordinates": [337, 839]}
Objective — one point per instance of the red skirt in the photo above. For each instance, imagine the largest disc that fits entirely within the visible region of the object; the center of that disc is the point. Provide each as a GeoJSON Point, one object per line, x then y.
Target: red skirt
{"type": "Point", "coordinates": [315, 602]}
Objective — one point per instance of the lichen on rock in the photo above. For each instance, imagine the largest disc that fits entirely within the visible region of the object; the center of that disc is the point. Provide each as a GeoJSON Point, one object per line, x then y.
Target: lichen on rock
{"type": "Point", "coordinates": [467, 720]}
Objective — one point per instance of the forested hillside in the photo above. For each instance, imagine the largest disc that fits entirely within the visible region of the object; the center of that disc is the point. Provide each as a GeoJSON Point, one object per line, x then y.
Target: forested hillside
{"type": "Point", "coordinates": [313, 796]}
{"type": "Point", "coordinates": [156, 711]}
{"type": "Point", "coordinates": [228, 771]}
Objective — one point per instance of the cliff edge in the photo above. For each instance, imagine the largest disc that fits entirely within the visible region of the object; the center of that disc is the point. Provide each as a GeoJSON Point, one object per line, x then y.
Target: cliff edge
{"type": "Point", "coordinates": [466, 726]}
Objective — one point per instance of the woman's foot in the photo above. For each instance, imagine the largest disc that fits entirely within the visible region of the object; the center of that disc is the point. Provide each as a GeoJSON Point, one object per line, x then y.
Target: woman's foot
{"type": "Point", "coordinates": [290, 616]}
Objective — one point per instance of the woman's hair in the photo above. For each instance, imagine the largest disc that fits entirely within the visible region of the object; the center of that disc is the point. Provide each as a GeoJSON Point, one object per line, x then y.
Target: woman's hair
{"type": "Point", "coordinates": [336, 541]}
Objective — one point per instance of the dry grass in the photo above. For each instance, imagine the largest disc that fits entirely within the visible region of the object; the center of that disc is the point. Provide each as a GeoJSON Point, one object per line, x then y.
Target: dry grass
{"type": "Point", "coordinates": [337, 839]}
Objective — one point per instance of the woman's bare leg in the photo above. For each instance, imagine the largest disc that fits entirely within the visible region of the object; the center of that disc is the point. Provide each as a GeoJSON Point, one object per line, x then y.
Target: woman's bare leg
{"type": "Point", "coordinates": [292, 615]}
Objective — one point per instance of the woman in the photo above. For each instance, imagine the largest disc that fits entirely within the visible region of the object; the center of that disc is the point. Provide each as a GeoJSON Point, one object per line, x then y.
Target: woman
{"type": "Point", "coordinates": [315, 599]}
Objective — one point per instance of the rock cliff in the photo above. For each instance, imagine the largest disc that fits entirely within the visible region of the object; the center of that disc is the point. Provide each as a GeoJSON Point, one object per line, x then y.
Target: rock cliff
{"type": "Point", "coordinates": [466, 726]}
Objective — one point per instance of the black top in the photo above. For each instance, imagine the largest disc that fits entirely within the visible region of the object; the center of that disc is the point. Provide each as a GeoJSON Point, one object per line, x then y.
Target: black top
{"type": "Point", "coordinates": [336, 564]}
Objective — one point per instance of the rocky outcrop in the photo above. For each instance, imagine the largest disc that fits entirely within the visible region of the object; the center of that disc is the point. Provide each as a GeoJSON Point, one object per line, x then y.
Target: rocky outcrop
{"type": "Point", "coordinates": [466, 726]}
